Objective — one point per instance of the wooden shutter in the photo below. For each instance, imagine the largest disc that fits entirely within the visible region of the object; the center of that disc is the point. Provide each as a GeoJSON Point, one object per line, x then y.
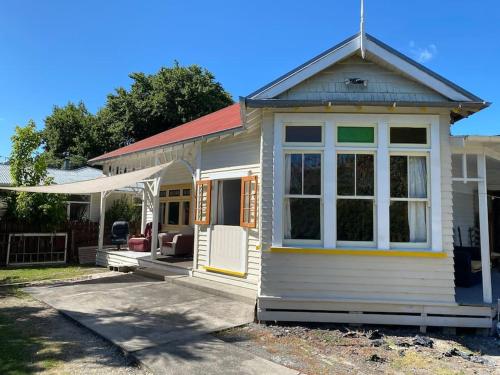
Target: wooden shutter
{"type": "Point", "coordinates": [248, 204]}
{"type": "Point", "coordinates": [203, 202]}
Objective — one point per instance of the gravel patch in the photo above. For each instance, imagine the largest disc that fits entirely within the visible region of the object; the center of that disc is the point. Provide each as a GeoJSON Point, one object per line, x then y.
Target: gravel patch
{"type": "Point", "coordinates": [335, 349]}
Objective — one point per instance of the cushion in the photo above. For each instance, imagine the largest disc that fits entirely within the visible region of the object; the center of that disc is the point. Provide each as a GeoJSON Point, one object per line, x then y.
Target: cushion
{"type": "Point", "coordinates": [476, 265]}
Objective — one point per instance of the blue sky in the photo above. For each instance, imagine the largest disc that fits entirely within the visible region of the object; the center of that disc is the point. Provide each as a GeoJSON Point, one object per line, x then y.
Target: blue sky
{"type": "Point", "coordinates": [55, 51]}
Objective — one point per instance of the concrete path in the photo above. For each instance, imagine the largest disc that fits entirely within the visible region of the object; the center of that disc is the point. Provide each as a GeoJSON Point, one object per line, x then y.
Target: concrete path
{"type": "Point", "coordinates": [164, 325]}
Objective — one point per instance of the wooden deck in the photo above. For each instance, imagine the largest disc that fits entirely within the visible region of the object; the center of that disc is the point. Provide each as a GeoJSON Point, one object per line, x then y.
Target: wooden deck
{"type": "Point", "coordinates": [116, 258]}
{"type": "Point", "coordinates": [474, 294]}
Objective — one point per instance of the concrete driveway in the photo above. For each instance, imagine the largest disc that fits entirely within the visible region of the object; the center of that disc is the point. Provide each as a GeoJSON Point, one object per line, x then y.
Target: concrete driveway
{"type": "Point", "coordinates": [164, 325]}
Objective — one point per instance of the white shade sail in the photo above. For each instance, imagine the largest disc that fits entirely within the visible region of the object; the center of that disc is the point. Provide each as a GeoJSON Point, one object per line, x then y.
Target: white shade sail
{"type": "Point", "coordinates": [96, 185]}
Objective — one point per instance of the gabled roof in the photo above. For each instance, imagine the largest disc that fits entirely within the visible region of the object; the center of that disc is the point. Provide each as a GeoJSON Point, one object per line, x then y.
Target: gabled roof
{"type": "Point", "coordinates": [375, 50]}
{"type": "Point", "coordinates": [216, 122]}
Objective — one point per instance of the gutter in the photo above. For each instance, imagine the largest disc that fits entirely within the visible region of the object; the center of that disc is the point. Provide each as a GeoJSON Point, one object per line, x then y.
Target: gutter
{"type": "Point", "coordinates": [280, 103]}
{"type": "Point", "coordinates": [495, 139]}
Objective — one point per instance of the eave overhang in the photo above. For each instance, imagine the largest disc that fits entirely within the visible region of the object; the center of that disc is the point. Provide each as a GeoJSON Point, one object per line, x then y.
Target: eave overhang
{"type": "Point", "coordinates": [459, 110]}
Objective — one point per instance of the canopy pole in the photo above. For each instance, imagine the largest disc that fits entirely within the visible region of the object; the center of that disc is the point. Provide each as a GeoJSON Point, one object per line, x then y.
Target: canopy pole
{"type": "Point", "coordinates": [102, 217]}
{"type": "Point", "coordinates": [484, 236]}
{"type": "Point", "coordinates": [144, 208]}
{"type": "Point", "coordinates": [156, 210]}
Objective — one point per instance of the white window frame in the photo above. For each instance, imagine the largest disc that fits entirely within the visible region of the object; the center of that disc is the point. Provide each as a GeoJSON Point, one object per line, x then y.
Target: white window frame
{"type": "Point", "coordinates": [428, 200]}
{"type": "Point", "coordinates": [383, 148]}
{"type": "Point", "coordinates": [70, 202]}
{"type": "Point", "coordinates": [373, 198]}
{"type": "Point", "coordinates": [301, 151]}
{"type": "Point", "coordinates": [410, 145]}
{"type": "Point", "coordinates": [356, 145]}
{"type": "Point", "coordinates": [305, 124]}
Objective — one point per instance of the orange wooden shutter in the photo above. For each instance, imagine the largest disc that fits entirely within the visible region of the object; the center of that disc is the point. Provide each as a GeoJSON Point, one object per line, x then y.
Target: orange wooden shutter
{"type": "Point", "coordinates": [248, 203]}
{"type": "Point", "coordinates": [203, 202]}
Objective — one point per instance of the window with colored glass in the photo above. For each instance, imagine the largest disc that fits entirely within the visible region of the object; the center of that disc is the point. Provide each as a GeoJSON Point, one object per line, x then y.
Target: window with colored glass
{"type": "Point", "coordinates": [355, 135]}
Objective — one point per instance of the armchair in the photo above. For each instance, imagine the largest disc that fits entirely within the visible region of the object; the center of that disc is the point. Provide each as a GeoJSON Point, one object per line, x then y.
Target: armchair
{"type": "Point", "coordinates": [177, 243]}
{"type": "Point", "coordinates": [143, 241]}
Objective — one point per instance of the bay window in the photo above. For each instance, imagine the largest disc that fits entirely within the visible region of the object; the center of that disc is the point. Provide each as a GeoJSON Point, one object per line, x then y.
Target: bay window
{"type": "Point", "coordinates": [355, 198]}
{"type": "Point", "coordinates": [303, 196]}
{"type": "Point", "coordinates": [409, 199]}
{"type": "Point", "coordinates": [357, 181]}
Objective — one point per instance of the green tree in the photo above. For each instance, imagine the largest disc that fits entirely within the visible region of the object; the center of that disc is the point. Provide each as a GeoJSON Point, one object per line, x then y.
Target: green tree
{"type": "Point", "coordinates": [159, 102]}
{"type": "Point", "coordinates": [28, 167]}
{"type": "Point", "coordinates": [68, 133]}
{"type": "Point", "coordinates": [124, 209]}
{"type": "Point", "coordinates": [153, 103]}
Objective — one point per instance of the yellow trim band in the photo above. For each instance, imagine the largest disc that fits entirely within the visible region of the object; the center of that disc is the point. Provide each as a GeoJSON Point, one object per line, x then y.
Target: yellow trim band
{"type": "Point", "coordinates": [360, 252]}
{"type": "Point", "coordinates": [225, 272]}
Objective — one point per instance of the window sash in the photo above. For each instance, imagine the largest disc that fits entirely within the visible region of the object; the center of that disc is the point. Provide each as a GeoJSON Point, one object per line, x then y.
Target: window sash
{"type": "Point", "coordinates": [355, 145]}
{"type": "Point", "coordinates": [302, 195]}
{"type": "Point", "coordinates": [371, 198]}
{"type": "Point", "coordinates": [422, 244]}
{"type": "Point", "coordinates": [248, 202]}
{"type": "Point", "coordinates": [355, 187]}
{"type": "Point", "coordinates": [408, 199]}
{"type": "Point", "coordinates": [288, 196]}
{"type": "Point", "coordinates": [203, 202]}
{"type": "Point", "coordinates": [348, 243]}
{"type": "Point", "coordinates": [303, 124]}
{"type": "Point", "coordinates": [297, 241]}
{"type": "Point", "coordinates": [410, 145]}
{"type": "Point", "coordinates": [170, 210]}
{"type": "Point", "coordinates": [427, 170]}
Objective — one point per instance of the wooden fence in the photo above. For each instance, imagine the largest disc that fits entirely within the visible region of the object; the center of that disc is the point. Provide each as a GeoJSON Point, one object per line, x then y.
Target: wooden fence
{"type": "Point", "coordinates": [79, 234]}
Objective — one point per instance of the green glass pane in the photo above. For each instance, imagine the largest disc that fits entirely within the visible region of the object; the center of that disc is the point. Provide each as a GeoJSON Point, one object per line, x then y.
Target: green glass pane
{"type": "Point", "coordinates": [355, 134]}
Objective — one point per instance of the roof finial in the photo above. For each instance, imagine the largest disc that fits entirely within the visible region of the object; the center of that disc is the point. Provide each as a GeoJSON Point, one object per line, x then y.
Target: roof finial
{"type": "Point", "coordinates": [362, 29]}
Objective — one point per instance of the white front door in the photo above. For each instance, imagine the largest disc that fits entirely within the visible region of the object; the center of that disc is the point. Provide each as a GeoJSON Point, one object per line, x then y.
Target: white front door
{"type": "Point", "coordinates": [228, 248]}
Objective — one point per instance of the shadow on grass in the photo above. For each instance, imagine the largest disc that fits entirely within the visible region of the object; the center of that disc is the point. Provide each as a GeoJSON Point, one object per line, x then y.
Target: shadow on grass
{"type": "Point", "coordinates": [34, 338]}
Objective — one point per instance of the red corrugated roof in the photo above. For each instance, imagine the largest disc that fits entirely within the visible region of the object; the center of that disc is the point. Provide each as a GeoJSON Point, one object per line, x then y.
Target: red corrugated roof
{"type": "Point", "coordinates": [224, 119]}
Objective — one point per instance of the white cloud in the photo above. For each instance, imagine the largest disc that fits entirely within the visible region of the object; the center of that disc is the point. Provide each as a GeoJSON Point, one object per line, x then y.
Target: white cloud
{"type": "Point", "coordinates": [425, 54]}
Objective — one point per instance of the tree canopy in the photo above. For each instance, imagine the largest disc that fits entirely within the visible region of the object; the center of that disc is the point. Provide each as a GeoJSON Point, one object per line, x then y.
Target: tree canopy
{"type": "Point", "coordinates": [68, 133]}
{"type": "Point", "coordinates": [153, 103]}
{"type": "Point", "coordinates": [28, 167]}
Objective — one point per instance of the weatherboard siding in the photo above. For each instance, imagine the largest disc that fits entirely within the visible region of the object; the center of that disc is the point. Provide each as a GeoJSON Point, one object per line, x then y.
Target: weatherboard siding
{"type": "Point", "coordinates": [367, 278]}
{"type": "Point", "coordinates": [240, 155]}
{"type": "Point", "coordinates": [383, 85]}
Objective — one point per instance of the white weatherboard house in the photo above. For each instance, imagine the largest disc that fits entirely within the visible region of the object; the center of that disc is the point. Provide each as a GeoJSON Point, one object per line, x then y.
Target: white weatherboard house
{"type": "Point", "coordinates": [335, 192]}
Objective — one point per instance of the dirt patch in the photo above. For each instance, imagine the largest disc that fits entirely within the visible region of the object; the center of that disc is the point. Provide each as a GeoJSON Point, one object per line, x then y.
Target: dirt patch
{"type": "Point", "coordinates": [51, 344]}
{"type": "Point", "coordinates": [330, 349]}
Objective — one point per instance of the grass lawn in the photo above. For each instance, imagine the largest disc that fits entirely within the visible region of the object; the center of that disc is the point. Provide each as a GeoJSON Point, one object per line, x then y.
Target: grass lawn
{"type": "Point", "coordinates": [38, 273]}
